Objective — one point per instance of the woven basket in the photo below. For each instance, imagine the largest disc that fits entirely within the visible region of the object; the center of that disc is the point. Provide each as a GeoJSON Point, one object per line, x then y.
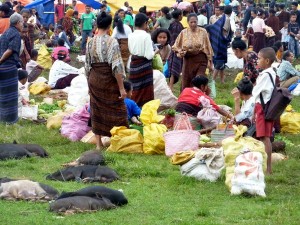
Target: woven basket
{"type": "Point", "coordinates": [181, 140]}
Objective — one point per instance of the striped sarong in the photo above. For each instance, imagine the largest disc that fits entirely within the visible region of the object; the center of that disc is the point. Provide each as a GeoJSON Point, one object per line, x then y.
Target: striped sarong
{"type": "Point", "coordinates": [107, 109]}
{"type": "Point", "coordinates": [175, 66]}
{"type": "Point", "coordinates": [8, 93]}
{"type": "Point", "coordinates": [141, 77]}
{"type": "Point", "coordinates": [123, 43]}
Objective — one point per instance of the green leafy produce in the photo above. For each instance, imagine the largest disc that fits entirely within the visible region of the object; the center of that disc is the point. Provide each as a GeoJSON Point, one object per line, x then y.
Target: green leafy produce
{"type": "Point", "coordinates": [170, 112]}
{"type": "Point", "coordinates": [49, 108]}
{"type": "Point", "coordinates": [287, 141]}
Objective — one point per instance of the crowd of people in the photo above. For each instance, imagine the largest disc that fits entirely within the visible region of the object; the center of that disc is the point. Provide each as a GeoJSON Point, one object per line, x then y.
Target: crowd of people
{"type": "Point", "coordinates": [125, 45]}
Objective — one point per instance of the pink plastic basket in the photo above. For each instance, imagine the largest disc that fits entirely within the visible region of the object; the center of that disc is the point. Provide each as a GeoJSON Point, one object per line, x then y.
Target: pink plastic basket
{"type": "Point", "coordinates": [181, 140]}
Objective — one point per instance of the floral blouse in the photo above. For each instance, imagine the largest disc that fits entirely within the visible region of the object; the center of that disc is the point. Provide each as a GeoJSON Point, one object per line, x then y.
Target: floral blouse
{"type": "Point", "coordinates": [250, 66]}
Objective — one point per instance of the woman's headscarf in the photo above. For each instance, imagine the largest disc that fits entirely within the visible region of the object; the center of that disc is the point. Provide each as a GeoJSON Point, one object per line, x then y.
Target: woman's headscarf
{"type": "Point", "coordinates": [69, 13]}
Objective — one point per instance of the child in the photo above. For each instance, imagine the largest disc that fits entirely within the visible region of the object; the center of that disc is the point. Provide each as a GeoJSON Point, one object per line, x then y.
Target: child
{"type": "Point", "coordinates": [161, 37]}
{"type": "Point", "coordinates": [62, 35]}
{"type": "Point", "coordinates": [285, 36]}
{"type": "Point", "coordinates": [133, 111]}
{"type": "Point", "coordinates": [23, 92]}
{"type": "Point", "coordinates": [293, 31]}
{"type": "Point", "coordinates": [244, 113]}
{"type": "Point", "coordinates": [264, 86]}
{"type": "Point", "coordinates": [61, 46]}
{"type": "Point", "coordinates": [76, 23]}
{"type": "Point", "coordinates": [33, 68]}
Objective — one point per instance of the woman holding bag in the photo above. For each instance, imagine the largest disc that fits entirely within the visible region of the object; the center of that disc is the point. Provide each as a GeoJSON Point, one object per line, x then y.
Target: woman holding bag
{"type": "Point", "coordinates": [105, 72]}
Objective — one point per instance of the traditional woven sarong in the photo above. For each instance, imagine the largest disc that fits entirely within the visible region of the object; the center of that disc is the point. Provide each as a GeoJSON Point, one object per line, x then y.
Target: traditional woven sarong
{"type": "Point", "coordinates": [107, 109]}
{"type": "Point", "coordinates": [175, 66]}
{"type": "Point", "coordinates": [123, 43]}
{"type": "Point", "coordinates": [8, 93]}
{"type": "Point", "coordinates": [193, 65]}
{"type": "Point", "coordinates": [259, 41]}
{"type": "Point", "coordinates": [187, 108]}
{"type": "Point", "coordinates": [141, 77]}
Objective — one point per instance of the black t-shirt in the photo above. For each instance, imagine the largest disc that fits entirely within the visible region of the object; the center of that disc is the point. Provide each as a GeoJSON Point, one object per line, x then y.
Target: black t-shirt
{"type": "Point", "coordinates": [294, 28]}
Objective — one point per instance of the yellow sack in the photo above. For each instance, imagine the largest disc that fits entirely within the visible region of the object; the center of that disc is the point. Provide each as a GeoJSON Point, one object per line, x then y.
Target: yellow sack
{"type": "Point", "coordinates": [125, 140]}
{"type": "Point", "coordinates": [39, 88]}
{"type": "Point", "coordinates": [44, 57]}
{"type": "Point", "coordinates": [149, 113]}
{"type": "Point", "coordinates": [232, 147]}
{"type": "Point", "coordinates": [154, 142]}
{"type": "Point", "coordinates": [239, 77]}
{"type": "Point", "coordinates": [290, 121]}
{"type": "Point", "coordinates": [54, 122]}
{"type": "Point", "coordinates": [180, 158]}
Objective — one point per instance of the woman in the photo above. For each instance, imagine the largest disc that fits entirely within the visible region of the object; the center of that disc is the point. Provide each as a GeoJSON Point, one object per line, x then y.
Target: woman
{"type": "Point", "coordinates": [121, 14]}
{"type": "Point", "coordinates": [165, 20]}
{"type": "Point", "coordinates": [141, 73]}
{"type": "Point", "coordinates": [189, 99]}
{"type": "Point", "coordinates": [288, 75]}
{"type": "Point", "coordinates": [174, 62]}
{"type": "Point", "coordinates": [244, 113]}
{"type": "Point", "coordinates": [121, 32]}
{"type": "Point", "coordinates": [105, 71]}
{"type": "Point", "coordinates": [10, 45]}
{"type": "Point", "coordinates": [259, 29]}
{"type": "Point", "coordinates": [68, 25]}
{"type": "Point", "coordinates": [194, 47]}
{"type": "Point", "coordinates": [26, 14]}
{"type": "Point", "coordinates": [239, 48]}
{"type": "Point", "coordinates": [161, 38]}
{"type": "Point", "coordinates": [34, 19]}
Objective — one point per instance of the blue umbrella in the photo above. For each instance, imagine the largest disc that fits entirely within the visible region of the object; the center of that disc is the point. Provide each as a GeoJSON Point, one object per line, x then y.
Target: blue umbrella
{"type": "Point", "coordinates": [94, 4]}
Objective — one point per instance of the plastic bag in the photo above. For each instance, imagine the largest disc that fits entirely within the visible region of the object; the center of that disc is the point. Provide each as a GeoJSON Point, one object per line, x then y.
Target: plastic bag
{"type": "Point", "coordinates": [125, 140]}
{"type": "Point", "coordinates": [44, 57]}
{"type": "Point", "coordinates": [192, 120]}
{"type": "Point", "coordinates": [39, 88]}
{"type": "Point", "coordinates": [166, 71]}
{"type": "Point", "coordinates": [239, 77]}
{"type": "Point", "coordinates": [54, 122]}
{"type": "Point", "coordinates": [29, 112]}
{"type": "Point", "coordinates": [162, 91]}
{"type": "Point", "coordinates": [290, 122]}
{"type": "Point", "coordinates": [90, 138]}
{"type": "Point", "coordinates": [248, 175]}
{"type": "Point", "coordinates": [75, 126]}
{"type": "Point", "coordinates": [157, 63]}
{"type": "Point", "coordinates": [208, 116]}
{"type": "Point", "coordinates": [233, 146]}
{"type": "Point", "coordinates": [213, 90]}
{"type": "Point", "coordinates": [207, 165]}
{"type": "Point", "coordinates": [153, 132]}
{"type": "Point", "coordinates": [180, 158]}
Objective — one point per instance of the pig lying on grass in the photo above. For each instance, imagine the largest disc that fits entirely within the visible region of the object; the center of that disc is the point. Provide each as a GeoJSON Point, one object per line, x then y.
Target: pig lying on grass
{"type": "Point", "coordinates": [86, 173]}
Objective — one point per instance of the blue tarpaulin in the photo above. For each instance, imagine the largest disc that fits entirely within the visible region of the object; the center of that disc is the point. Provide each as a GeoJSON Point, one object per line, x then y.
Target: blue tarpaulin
{"type": "Point", "coordinates": [92, 3]}
{"type": "Point", "coordinates": [48, 14]}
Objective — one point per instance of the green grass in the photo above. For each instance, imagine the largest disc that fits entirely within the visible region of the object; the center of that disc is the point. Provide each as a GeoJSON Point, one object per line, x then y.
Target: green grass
{"type": "Point", "coordinates": [156, 191]}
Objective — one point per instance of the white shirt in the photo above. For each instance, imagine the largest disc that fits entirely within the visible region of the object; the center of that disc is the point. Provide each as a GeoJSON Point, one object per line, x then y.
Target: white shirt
{"type": "Point", "coordinates": [60, 69]}
{"type": "Point", "coordinates": [30, 66]}
{"type": "Point", "coordinates": [247, 110]}
{"type": "Point", "coordinates": [234, 3]}
{"type": "Point", "coordinates": [32, 19]}
{"type": "Point", "coordinates": [285, 35]}
{"type": "Point", "coordinates": [140, 44]}
{"type": "Point", "coordinates": [118, 35]}
{"type": "Point", "coordinates": [202, 20]}
{"type": "Point", "coordinates": [264, 85]}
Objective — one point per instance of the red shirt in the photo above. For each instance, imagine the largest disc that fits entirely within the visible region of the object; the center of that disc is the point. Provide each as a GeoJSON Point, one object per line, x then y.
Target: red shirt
{"type": "Point", "coordinates": [4, 24]}
{"type": "Point", "coordinates": [192, 95]}
{"type": "Point", "coordinates": [59, 11]}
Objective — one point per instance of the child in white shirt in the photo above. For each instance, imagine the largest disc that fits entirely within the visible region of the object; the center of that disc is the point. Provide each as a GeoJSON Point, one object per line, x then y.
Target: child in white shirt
{"type": "Point", "coordinates": [285, 38]}
{"type": "Point", "coordinates": [264, 86]}
{"type": "Point", "coordinates": [23, 93]}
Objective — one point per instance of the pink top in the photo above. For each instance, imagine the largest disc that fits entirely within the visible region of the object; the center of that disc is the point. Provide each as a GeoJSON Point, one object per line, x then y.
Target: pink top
{"type": "Point", "coordinates": [258, 24]}
{"type": "Point", "coordinates": [59, 10]}
{"type": "Point", "coordinates": [57, 49]}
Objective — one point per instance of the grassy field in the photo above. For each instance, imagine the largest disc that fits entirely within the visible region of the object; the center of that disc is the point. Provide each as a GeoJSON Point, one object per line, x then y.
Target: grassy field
{"type": "Point", "coordinates": [156, 191]}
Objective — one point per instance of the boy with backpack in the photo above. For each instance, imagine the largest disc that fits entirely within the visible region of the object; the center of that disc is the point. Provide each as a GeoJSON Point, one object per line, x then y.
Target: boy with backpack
{"type": "Point", "coordinates": [263, 91]}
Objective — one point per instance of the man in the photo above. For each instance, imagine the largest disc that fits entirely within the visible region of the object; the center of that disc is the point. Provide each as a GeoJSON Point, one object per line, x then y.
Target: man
{"type": "Point", "coordinates": [247, 14]}
{"type": "Point", "coordinates": [126, 5]}
{"type": "Point", "coordinates": [215, 17]}
{"type": "Point", "coordinates": [283, 16]}
{"type": "Point", "coordinates": [202, 19]}
{"type": "Point", "coordinates": [87, 20]}
{"type": "Point", "coordinates": [296, 11]}
{"type": "Point", "coordinates": [108, 9]}
{"type": "Point", "coordinates": [209, 9]}
{"type": "Point", "coordinates": [59, 12]}
{"type": "Point", "coordinates": [220, 36]}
